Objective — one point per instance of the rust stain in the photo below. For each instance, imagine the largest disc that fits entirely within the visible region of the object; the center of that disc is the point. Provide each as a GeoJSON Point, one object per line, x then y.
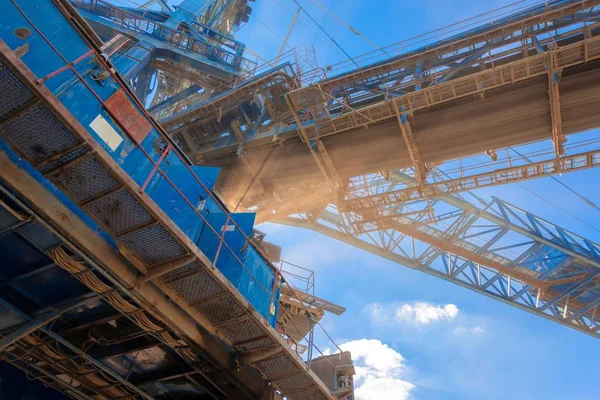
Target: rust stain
{"type": "Point", "coordinates": [22, 33]}
{"type": "Point", "coordinates": [22, 50]}
{"type": "Point", "coordinates": [134, 124]}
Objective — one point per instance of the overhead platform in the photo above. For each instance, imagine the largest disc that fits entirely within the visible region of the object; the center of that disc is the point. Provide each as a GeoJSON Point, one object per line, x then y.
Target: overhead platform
{"type": "Point", "coordinates": [518, 78]}
{"type": "Point", "coordinates": [446, 124]}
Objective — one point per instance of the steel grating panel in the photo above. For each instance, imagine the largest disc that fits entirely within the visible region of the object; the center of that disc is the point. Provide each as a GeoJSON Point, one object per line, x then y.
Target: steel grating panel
{"type": "Point", "coordinates": [277, 366]}
{"type": "Point", "coordinates": [153, 245]}
{"type": "Point", "coordinates": [192, 268]}
{"type": "Point", "coordinates": [38, 134]}
{"type": "Point", "coordinates": [196, 287]}
{"type": "Point", "coordinates": [119, 212]}
{"type": "Point", "coordinates": [47, 168]}
{"type": "Point", "coordinates": [85, 180]}
{"type": "Point", "coordinates": [220, 310]}
{"type": "Point", "coordinates": [83, 175]}
{"type": "Point", "coordinates": [257, 344]}
{"type": "Point", "coordinates": [294, 383]}
{"type": "Point", "coordinates": [14, 93]}
{"type": "Point", "coordinates": [243, 330]}
{"type": "Point", "coordinates": [314, 394]}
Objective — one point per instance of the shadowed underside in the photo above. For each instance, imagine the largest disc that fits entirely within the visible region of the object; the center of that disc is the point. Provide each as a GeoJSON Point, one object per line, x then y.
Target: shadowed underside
{"type": "Point", "coordinates": [507, 116]}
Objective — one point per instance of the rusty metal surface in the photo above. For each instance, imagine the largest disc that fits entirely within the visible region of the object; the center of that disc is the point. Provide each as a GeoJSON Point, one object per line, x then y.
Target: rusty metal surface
{"type": "Point", "coordinates": [129, 118]}
{"type": "Point", "coordinates": [97, 184]}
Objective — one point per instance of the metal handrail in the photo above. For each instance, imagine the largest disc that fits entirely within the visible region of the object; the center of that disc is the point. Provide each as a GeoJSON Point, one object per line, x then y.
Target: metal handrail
{"type": "Point", "coordinates": [181, 40]}
{"type": "Point", "coordinates": [156, 169]}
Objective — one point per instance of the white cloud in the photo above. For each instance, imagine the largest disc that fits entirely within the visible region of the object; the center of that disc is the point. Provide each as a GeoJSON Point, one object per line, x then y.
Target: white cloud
{"type": "Point", "coordinates": [379, 371]}
{"type": "Point", "coordinates": [383, 389]}
{"type": "Point", "coordinates": [465, 330]}
{"type": "Point", "coordinates": [412, 313]}
{"type": "Point", "coordinates": [375, 355]}
{"type": "Point", "coordinates": [425, 313]}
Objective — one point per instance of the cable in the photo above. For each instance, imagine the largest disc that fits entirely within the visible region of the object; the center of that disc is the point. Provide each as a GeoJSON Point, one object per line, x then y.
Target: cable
{"type": "Point", "coordinates": [128, 3]}
{"type": "Point", "coordinates": [88, 374]}
{"type": "Point", "coordinates": [255, 177]}
{"type": "Point", "coordinates": [326, 42]}
{"type": "Point", "coordinates": [549, 202]}
{"type": "Point", "coordinates": [326, 34]}
{"type": "Point", "coordinates": [89, 279]}
{"type": "Point", "coordinates": [350, 27]}
{"type": "Point", "coordinates": [554, 178]}
{"type": "Point", "coordinates": [272, 31]}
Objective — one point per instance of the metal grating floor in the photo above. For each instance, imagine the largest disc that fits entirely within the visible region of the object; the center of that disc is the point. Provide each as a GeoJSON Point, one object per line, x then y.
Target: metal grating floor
{"type": "Point", "coordinates": [119, 212]}
{"type": "Point", "coordinates": [153, 244]}
{"type": "Point", "coordinates": [64, 157]}
{"type": "Point", "coordinates": [16, 94]}
{"type": "Point", "coordinates": [83, 178]}
{"type": "Point", "coordinates": [195, 287]}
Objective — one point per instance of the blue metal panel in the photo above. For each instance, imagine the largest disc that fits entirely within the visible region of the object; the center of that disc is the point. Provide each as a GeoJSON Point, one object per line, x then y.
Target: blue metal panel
{"type": "Point", "coordinates": [258, 284]}
{"type": "Point", "coordinates": [19, 162]}
{"type": "Point", "coordinates": [179, 194]}
{"type": "Point", "coordinates": [131, 63]}
{"type": "Point", "coordinates": [41, 59]}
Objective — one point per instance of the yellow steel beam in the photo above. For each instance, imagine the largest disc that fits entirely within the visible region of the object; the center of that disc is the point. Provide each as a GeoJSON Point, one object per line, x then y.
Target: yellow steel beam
{"type": "Point", "coordinates": [325, 165]}
{"type": "Point", "coordinates": [540, 169]}
{"type": "Point", "coordinates": [517, 71]}
{"type": "Point", "coordinates": [413, 152]}
{"type": "Point", "coordinates": [558, 136]}
{"type": "Point", "coordinates": [469, 40]}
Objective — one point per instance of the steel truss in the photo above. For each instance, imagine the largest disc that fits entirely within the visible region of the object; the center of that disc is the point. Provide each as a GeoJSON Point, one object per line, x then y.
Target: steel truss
{"type": "Point", "coordinates": [191, 46]}
{"type": "Point", "coordinates": [498, 250]}
{"type": "Point", "coordinates": [380, 194]}
{"type": "Point", "coordinates": [507, 51]}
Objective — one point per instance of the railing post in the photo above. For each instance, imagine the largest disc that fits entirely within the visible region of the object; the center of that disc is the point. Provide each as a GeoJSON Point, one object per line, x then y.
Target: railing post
{"type": "Point", "coordinates": [222, 239]}
{"type": "Point", "coordinates": [272, 300]}
{"type": "Point", "coordinates": [156, 166]}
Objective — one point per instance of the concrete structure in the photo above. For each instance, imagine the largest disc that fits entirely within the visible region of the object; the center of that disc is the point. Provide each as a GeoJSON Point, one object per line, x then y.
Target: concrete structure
{"type": "Point", "coordinates": [337, 371]}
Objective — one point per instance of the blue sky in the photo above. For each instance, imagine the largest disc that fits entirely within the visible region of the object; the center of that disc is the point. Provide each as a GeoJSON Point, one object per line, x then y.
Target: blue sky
{"type": "Point", "coordinates": [415, 336]}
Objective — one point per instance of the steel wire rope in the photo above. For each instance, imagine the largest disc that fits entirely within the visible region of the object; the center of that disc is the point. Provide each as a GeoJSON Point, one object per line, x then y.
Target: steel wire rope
{"type": "Point", "coordinates": [554, 178]}
{"type": "Point", "coordinates": [326, 33]}
{"type": "Point", "coordinates": [128, 3]}
{"type": "Point", "coordinates": [501, 159]}
{"type": "Point", "coordinates": [456, 27]}
{"type": "Point", "coordinates": [255, 177]}
{"type": "Point", "coordinates": [505, 252]}
{"type": "Point", "coordinates": [272, 31]}
{"type": "Point", "coordinates": [310, 314]}
{"type": "Point", "coordinates": [447, 225]}
{"type": "Point", "coordinates": [349, 27]}
{"type": "Point", "coordinates": [326, 42]}
{"type": "Point", "coordinates": [550, 202]}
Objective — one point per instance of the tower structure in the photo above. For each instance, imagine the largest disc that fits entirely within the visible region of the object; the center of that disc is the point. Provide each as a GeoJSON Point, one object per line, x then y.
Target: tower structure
{"type": "Point", "coordinates": [188, 53]}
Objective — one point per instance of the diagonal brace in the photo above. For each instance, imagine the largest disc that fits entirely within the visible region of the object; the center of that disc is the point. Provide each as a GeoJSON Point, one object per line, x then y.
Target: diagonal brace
{"type": "Point", "coordinates": [413, 152]}
{"type": "Point", "coordinates": [558, 136]}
